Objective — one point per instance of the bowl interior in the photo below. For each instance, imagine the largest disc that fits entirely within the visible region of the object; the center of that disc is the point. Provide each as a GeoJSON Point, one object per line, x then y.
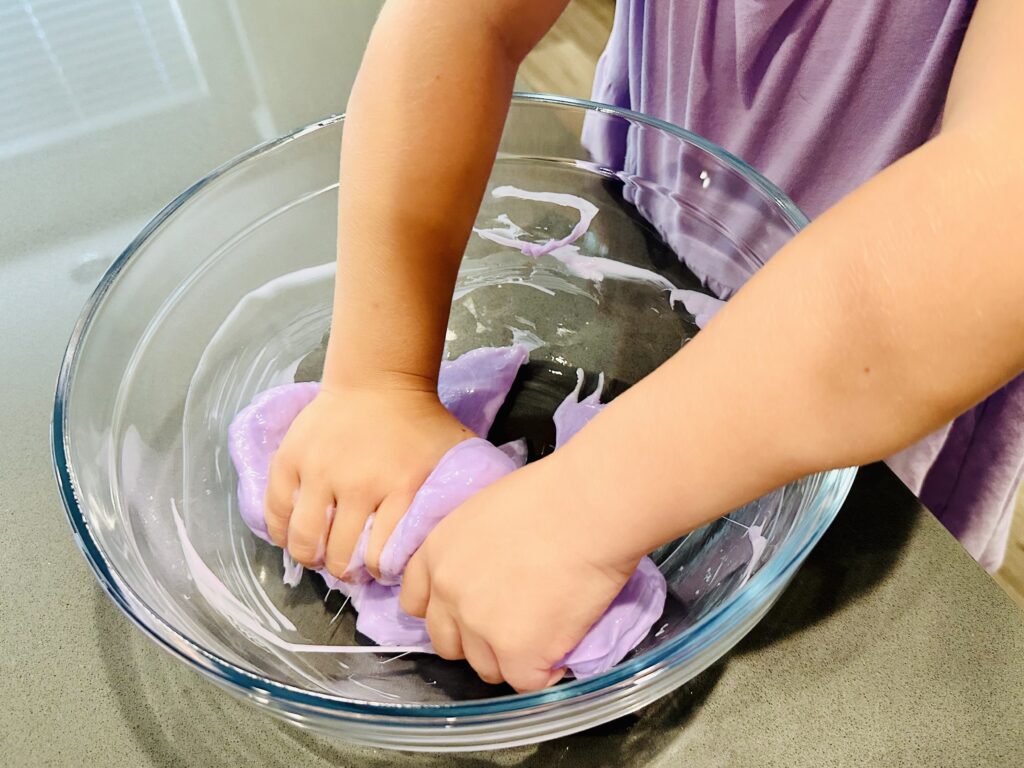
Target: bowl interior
{"type": "Point", "coordinates": [230, 293]}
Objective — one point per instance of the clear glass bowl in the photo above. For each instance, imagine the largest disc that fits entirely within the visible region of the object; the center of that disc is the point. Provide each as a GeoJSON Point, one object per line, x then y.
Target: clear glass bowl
{"type": "Point", "coordinates": [227, 292]}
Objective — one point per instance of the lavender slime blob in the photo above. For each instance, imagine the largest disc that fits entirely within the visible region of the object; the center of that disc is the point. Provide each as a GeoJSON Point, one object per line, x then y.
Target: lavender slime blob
{"type": "Point", "coordinates": [700, 305]}
{"type": "Point", "coordinates": [382, 619]}
{"type": "Point", "coordinates": [473, 387]}
{"type": "Point", "coordinates": [572, 414]}
{"type": "Point", "coordinates": [621, 628]}
{"type": "Point", "coordinates": [463, 471]}
{"type": "Point", "coordinates": [254, 435]}
{"type": "Point", "coordinates": [515, 450]}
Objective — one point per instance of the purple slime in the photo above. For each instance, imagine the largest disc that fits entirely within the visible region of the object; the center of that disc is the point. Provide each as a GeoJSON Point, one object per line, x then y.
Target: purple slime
{"type": "Point", "coordinates": [572, 414]}
{"type": "Point", "coordinates": [473, 387]}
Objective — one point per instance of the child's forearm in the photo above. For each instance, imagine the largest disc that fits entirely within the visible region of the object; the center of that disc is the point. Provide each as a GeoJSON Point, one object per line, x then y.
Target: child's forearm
{"type": "Point", "coordinates": [896, 310]}
{"type": "Point", "coordinates": [420, 135]}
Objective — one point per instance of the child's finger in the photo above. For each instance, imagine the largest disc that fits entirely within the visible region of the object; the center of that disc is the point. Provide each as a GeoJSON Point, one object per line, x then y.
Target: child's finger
{"type": "Point", "coordinates": [444, 633]}
{"type": "Point", "coordinates": [307, 529]}
{"type": "Point", "coordinates": [414, 597]}
{"type": "Point", "coordinates": [282, 483]}
{"type": "Point", "coordinates": [523, 672]}
{"type": "Point", "coordinates": [389, 513]}
{"type": "Point", "coordinates": [349, 520]}
{"type": "Point", "coordinates": [555, 676]}
{"type": "Point", "coordinates": [481, 657]}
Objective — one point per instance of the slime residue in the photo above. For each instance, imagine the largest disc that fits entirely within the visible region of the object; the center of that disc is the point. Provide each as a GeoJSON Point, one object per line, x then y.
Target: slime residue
{"type": "Point", "coordinates": [595, 268]}
{"type": "Point", "coordinates": [245, 619]}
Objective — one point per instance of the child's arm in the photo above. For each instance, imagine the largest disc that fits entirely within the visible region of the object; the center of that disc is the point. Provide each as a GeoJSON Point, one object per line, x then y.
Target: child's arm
{"type": "Point", "coordinates": [896, 310]}
{"type": "Point", "coordinates": [422, 129]}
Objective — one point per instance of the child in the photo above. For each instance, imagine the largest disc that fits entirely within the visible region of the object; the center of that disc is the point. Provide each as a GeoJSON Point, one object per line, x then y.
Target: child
{"type": "Point", "coordinates": [904, 300]}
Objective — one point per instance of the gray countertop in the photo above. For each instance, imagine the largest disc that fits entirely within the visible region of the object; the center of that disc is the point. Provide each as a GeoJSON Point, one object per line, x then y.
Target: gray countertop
{"type": "Point", "coordinates": [891, 647]}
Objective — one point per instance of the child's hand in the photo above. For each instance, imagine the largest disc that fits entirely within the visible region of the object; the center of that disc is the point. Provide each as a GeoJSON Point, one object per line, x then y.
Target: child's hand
{"type": "Point", "coordinates": [350, 453]}
{"type": "Point", "coordinates": [511, 582]}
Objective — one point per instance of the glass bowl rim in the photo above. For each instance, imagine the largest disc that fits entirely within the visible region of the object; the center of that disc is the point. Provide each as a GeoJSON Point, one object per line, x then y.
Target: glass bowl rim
{"type": "Point", "coordinates": [830, 489]}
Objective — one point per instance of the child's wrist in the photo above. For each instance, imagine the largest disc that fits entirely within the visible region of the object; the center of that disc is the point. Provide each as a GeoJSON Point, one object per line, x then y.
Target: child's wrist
{"type": "Point", "coordinates": [348, 367]}
{"type": "Point", "coordinates": [376, 378]}
{"type": "Point", "coordinates": [605, 520]}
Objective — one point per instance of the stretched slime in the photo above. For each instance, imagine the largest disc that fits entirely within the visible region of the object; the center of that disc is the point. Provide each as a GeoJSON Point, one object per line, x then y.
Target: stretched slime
{"type": "Point", "coordinates": [473, 387]}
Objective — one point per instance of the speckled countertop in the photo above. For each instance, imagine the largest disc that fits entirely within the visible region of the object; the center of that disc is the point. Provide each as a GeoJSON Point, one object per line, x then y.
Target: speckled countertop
{"type": "Point", "coordinates": [890, 648]}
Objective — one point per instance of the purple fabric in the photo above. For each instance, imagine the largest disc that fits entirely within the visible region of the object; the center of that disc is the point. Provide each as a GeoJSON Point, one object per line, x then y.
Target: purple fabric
{"type": "Point", "coordinates": [818, 95]}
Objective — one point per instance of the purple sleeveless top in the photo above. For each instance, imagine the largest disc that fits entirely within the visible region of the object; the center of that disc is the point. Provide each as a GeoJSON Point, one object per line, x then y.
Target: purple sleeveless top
{"type": "Point", "coordinates": [820, 95]}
